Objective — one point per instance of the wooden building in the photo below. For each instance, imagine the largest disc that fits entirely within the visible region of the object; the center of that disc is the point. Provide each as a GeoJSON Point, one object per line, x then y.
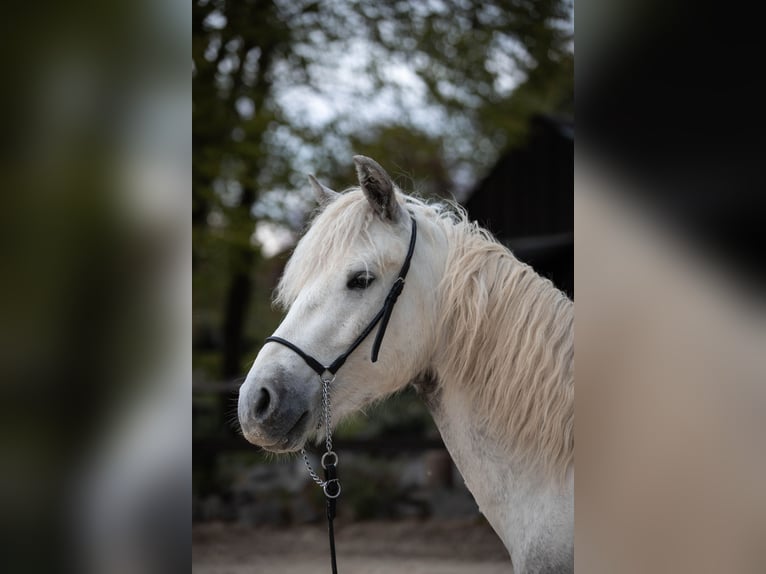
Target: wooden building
{"type": "Point", "coordinates": [527, 201]}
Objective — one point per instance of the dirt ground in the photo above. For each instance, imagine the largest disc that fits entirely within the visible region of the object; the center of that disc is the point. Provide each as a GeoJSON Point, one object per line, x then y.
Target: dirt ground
{"type": "Point", "coordinates": [410, 547]}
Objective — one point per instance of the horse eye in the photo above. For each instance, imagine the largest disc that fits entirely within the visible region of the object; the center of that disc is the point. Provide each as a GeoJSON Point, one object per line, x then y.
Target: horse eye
{"type": "Point", "coordinates": [360, 280]}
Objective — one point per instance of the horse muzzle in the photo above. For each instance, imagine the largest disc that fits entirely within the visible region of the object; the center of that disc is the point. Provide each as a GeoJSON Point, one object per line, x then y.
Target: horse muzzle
{"type": "Point", "coordinates": [276, 414]}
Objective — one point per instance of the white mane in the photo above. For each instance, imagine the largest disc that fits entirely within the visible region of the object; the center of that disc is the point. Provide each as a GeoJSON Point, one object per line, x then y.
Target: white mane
{"type": "Point", "coordinates": [507, 336]}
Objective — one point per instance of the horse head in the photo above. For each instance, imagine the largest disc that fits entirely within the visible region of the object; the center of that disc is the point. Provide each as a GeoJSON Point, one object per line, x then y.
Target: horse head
{"type": "Point", "coordinates": [335, 283]}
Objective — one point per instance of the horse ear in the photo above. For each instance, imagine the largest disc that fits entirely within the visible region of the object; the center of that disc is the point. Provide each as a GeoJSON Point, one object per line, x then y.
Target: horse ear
{"type": "Point", "coordinates": [377, 187]}
{"type": "Point", "coordinates": [324, 195]}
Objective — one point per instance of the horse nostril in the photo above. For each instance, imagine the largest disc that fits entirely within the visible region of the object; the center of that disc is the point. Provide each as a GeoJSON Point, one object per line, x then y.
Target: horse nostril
{"type": "Point", "coordinates": [263, 402]}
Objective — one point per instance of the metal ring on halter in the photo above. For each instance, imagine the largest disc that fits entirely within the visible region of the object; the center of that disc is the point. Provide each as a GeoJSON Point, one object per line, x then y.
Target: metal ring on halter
{"type": "Point", "coordinates": [328, 483]}
{"type": "Point", "coordinates": [333, 463]}
{"type": "Point", "coordinates": [327, 381]}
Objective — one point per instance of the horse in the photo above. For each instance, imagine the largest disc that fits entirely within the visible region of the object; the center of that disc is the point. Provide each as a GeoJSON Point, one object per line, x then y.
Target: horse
{"type": "Point", "coordinates": [485, 341]}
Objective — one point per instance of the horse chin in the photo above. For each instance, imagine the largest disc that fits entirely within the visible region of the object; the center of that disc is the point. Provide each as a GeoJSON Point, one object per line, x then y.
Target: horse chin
{"type": "Point", "coordinates": [294, 439]}
{"type": "Point", "coordinates": [285, 446]}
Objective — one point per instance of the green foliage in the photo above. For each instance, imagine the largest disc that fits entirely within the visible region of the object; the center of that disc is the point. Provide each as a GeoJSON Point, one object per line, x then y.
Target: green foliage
{"type": "Point", "coordinates": [485, 67]}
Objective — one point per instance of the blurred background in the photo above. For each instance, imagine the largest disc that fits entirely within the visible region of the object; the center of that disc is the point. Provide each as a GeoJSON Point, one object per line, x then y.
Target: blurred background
{"type": "Point", "coordinates": [97, 379]}
{"type": "Point", "coordinates": [457, 99]}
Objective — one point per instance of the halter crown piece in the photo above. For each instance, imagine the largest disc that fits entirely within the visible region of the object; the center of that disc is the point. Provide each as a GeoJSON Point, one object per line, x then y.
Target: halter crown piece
{"type": "Point", "coordinates": [331, 484]}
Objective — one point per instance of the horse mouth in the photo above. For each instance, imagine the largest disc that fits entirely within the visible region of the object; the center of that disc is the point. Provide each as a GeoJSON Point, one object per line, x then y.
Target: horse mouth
{"type": "Point", "coordinates": [293, 439]}
{"type": "Point", "coordinates": [299, 425]}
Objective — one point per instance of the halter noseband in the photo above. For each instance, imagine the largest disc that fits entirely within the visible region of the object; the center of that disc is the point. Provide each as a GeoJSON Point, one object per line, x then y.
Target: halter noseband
{"type": "Point", "coordinates": [381, 317]}
{"type": "Point", "coordinates": [331, 485]}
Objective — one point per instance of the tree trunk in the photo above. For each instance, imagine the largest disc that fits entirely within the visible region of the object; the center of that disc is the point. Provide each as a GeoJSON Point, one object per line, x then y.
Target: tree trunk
{"type": "Point", "coordinates": [237, 303]}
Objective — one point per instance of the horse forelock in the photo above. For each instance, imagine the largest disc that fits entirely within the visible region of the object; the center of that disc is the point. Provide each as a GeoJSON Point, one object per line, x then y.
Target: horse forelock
{"type": "Point", "coordinates": [332, 235]}
{"type": "Point", "coordinates": [329, 234]}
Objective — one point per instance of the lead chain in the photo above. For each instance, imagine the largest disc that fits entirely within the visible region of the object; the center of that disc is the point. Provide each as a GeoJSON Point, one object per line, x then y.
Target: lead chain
{"type": "Point", "coordinates": [326, 415]}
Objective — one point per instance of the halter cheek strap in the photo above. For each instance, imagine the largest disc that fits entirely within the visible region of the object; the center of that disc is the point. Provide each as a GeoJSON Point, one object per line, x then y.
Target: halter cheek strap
{"type": "Point", "coordinates": [382, 317]}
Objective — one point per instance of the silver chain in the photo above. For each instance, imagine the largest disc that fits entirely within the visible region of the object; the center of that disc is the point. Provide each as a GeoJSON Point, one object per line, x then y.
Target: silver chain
{"type": "Point", "coordinates": [327, 416]}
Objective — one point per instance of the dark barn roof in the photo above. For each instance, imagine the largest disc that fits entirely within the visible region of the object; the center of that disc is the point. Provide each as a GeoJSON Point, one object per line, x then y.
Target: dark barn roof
{"type": "Point", "coordinates": [527, 200]}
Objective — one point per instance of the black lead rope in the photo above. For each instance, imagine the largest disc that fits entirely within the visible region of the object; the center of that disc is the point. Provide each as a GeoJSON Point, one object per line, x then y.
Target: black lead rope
{"type": "Point", "coordinates": [333, 491]}
{"type": "Point", "coordinates": [331, 485]}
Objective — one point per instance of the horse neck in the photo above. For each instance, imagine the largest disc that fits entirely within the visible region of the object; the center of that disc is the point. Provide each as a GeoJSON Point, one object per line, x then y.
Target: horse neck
{"type": "Point", "coordinates": [505, 341]}
{"type": "Point", "coordinates": [503, 398]}
{"type": "Point", "coordinates": [504, 345]}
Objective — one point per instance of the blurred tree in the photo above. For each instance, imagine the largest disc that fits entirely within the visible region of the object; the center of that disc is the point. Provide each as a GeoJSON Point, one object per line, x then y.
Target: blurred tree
{"type": "Point", "coordinates": [283, 87]}
{"type": "Point", "coordinates": [235, 47]}
{"type": "Point", "coordinates": [494, 63]}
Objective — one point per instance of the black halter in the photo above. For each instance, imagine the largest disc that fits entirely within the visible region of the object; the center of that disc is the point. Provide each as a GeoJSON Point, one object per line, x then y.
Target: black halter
{"type": "Point", "coordinates": [381, 317]}
{"type": "Point", "coordinates": [331, 484]}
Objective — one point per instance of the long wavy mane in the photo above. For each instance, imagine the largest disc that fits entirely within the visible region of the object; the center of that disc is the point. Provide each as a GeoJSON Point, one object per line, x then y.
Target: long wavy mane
{"type": "Point", "coordinates": [507, 337]}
